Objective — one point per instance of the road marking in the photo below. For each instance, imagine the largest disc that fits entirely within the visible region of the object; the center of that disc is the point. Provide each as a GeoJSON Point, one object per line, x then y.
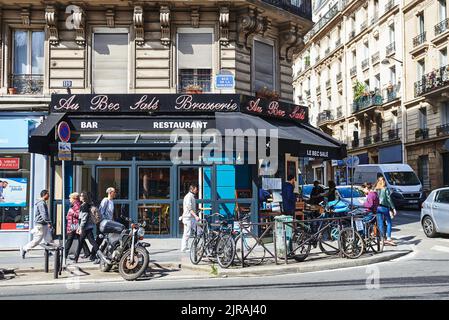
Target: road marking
{"type": "Point", "coordinates": [440, 248]}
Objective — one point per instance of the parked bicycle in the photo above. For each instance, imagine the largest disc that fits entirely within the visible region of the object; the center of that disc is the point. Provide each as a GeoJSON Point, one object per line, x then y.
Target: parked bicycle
{"type": "Point", "coordinates": [216, 244]}
{"type": "Point", "coordinates": [352, 244]}
{"type": "Point", "coordinates": [252, 252]}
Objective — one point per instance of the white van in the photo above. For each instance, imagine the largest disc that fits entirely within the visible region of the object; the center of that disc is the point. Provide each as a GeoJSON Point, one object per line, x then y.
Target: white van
{"type": "Point", "coordinates": [405, 187]}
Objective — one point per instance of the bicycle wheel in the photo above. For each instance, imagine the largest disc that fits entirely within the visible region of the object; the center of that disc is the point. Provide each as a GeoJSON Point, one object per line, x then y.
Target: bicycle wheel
{"type": "Point", "coordinates": [300, 245]}
{"type": "Point", "coordinates": [351, 243]}
{"type": "Point", "coordinates": [328, 240]}
{"type": "Point", "coordinates": [225, 251]}
{"type": "Point", "coordinates": [197, 249]}
{"type": "Point", "coordinates": [257, 254]}
{"type": "Point", "coordinates": [376, 243]}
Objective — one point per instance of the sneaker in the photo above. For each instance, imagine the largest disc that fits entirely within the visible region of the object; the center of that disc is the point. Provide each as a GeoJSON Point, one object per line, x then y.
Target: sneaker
{"type": "Point", "coordinates": [22, 252]}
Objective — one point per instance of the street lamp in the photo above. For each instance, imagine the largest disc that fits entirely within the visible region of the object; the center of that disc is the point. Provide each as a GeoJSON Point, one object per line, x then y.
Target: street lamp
{"type": "Point", "coordinates": [387, 61]}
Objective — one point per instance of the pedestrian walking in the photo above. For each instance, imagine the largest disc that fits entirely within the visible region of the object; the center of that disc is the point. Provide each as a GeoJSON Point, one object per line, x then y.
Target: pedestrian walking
{"type": "Point", "coordinates": [288, 196]}
{"type": "Point", "coordinates": [383, 210]}
{"type": "Point", "coordinates": [73, 224]}
{"type": "Point", "coordinates": [189, 216]}
{"type": "Point", "coordinates": [86, 227]}
{"type": "Point", "coordinates": [42, 228]}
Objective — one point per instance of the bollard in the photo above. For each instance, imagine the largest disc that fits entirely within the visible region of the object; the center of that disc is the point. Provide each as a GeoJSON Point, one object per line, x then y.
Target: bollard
{"type": "Point", "coordinates": [46, 261]}
{"type": "Point", "coordinates": [275, 248]}
{"type": "Point", "coordinates": [241, 245]}
{"type": "Point", "coordinates": [56, 264]}
{"type": "Point", "coordinates": [285, 242]}
{"type": "Point", "coordinates": [61, 261]}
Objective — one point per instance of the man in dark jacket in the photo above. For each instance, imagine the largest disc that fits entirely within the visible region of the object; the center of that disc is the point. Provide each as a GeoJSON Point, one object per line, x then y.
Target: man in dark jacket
{"type": "Point", "coordinates": [288, 196]}
{"type": "Point", "coordinates": [42, 228]}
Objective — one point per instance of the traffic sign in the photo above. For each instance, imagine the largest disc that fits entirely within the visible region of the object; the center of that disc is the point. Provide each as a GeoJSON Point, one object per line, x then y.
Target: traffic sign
{"type": "Point", "coordinates": [64, 151]}
{"type": "Point", "coordinates": [224, 81]}
{"type": "Point", "coordinates": [64, 131]}
{"type": "Point", "coordinates": [352, 161]}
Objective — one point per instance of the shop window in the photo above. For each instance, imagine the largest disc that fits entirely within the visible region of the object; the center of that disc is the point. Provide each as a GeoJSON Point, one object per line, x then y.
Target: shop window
{"type": "Point", "coordinates": [110, 63]}
{"type": "Point", "coordinates": [154, 183]}
{"type": "Point", "coordinates": [156, 217]}
{"type": "Point", "coordinates": [264, 67]}
{"type": "Point", "coordinates": [14, 191]}
{"type": "Point", "coordinates": [117, 178]}
{"type": "Point", "coordinates": [195, 60]}
{"type": "Point", "coordinates": [27, 72]}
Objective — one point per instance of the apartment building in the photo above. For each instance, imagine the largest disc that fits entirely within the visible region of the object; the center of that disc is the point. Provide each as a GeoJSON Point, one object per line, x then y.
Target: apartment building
{"type": "Point", "coordinates": [350, 75]}
{"type": "Point", "coordinates": [427, 90]}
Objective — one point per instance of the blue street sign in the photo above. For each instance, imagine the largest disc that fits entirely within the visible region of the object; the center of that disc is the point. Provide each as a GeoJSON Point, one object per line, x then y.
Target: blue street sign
{"type": "Point", "coordinates": [224, 81]}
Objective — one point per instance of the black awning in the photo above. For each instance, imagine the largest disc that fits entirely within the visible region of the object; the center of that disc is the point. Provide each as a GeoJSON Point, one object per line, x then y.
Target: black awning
{"type": "Point", "coordinates": [41, 137]}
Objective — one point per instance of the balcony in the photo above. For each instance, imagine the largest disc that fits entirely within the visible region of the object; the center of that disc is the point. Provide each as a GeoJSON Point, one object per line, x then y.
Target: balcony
{"type": "Point", "coordinates": [419, 40]}
{"type": "Point", "coordinates": [328, 84]}
{"type": "Point", "coordinates": [339, 77]}
{"type": "Point", "coordinates": [337, 43]}
{"type": "Point", "coordinates": [351, 35]}
{"type": "Point", "coordinates": [366, 102]}
{"type": "Point", "coordinates": [443, 130]}
{"type": "Point", "coordinates": [390, 4]}
{"type": "Point", "coordinates": [327, 51]}
{"type": "Point", "coordinates": [323, 21]}
{"type": "Point", "coordinates": [318, 58]}
{"type": "Point", "coordinates": [374, 19]}
{"type": "Point", "coordinates": [353, 71]}
{"type": "Point", "coordinates": [307, 62]}
{"type": "Point", "coordinates": [307, 93]}
{"type": "Point", "coordinates": [441, 27]}
{"type": "Point", "coordinates": [318, 90]}
{"type": "Point", "coordinates": [363, 26]}
{"type": "Point", "coordinates": [391, 48]}
{"type": "Point", "coordinates": [29, 84]}
{"type": "Point", "coordinates": [375, 57]}
{"type": "Point", "coordinates": [393, 134]}
{"type": "Point", "coordinates": [301, 8]}
{"type": "Point", "coordinates": [392, 92]}
{"type": "Point", "coordinates": [422, 133]}
{"type": "Point", "coordinates": [339, 112]}
{"type": "Point", "coordinates": [434, 80]}
{"type": "Point", "coordinates": [365, 64]}
{"type": "Point", "coordinates": [324, 117]}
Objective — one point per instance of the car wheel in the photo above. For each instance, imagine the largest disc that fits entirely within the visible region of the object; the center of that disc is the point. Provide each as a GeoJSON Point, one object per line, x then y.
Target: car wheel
{"type": "Point", "coordinates": [429, 227]}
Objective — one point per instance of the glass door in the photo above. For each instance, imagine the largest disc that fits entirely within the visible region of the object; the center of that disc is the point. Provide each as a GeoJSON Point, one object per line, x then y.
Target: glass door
{"type": "Point", "coordinates": [119, 178]}
{"type": "Point", "coordinates": [154, 199]}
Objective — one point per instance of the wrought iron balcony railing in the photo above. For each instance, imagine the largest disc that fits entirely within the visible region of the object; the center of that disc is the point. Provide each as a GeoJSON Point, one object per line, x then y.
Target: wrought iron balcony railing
{"type": "Point", "coordinates": [302, 8]}
{"type": "Point", "coordinates": [339, 112]}
{"type": "Point", "coordinates": [422, 133]}
{"type": "Point", "coordinates": [322, 22]}
{"type": "Point", "coordinates": [318, 90]}
{"type": "Point", "coordinates": [353, 71]}
{"type": "Point", "coordinates": [392, 92]}
{"type": "Point", "coordinates": [28, 83]}
{"type": "Point", "coordinates": [375, 57]}
{"type": "Point", "coordinates": [325, 116]}
{"type": "Point", "coordinates": [391, 48]}
{"type": "Point", "coordinates": [419, 40]}
{"type": "Point", "coordinates": [339, 77]}
{"type": "Point", "coordinates": [327, 51]}
{"type": "Point", "coordinates": [328, 84]}
{"type": "Point", "coordinates": [443, 130]}
{"type": "Point", "coordinates": [365, 64]}
{"type": "Point", "coordinates": [351, 34]}
{"type": "Point", "coordinates": [337, 43]}
{"type": "Point", "coordinates": [375, 18]}
{"type": "Point", "coordinates": [433, 80]}
{"type": "Point", "coordinates": [363, 26]}
{"type": "Point", "coordinates": [307, 93]}
{"type": "Point", "coordinates": [393, 134]}
{"type": "Point", "coordinates": [390, 4]}
{"type": "Point", "coordinates": [366, 102]}
{"type": "Point", "coordinates": [441, 27]}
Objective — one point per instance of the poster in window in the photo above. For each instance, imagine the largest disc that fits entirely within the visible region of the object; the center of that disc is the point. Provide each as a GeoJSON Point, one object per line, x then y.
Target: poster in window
{"type": "Point", "coordinates": [13, 192]}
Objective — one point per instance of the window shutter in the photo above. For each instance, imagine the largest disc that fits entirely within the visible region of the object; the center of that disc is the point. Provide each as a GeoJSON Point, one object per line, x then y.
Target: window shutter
{"type": "Point", "coordinates": [110, 63]}
{"type": "Point", "coordinates": [264, 65]}
{"type": "Point", "coordinates": [195, 50]}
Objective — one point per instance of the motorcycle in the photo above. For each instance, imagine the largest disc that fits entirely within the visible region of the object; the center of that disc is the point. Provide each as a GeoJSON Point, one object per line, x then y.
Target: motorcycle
{"type": "Point", "coordinates": [123, 247]}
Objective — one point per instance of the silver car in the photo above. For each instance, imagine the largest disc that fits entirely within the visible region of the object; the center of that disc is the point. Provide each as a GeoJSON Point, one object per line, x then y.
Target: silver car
{"type": "Point", "coordinates": [435, 213]}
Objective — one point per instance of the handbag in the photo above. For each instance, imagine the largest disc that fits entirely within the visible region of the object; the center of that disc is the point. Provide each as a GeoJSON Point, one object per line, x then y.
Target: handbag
{"type": "Point", "coordinates": [74, 226]}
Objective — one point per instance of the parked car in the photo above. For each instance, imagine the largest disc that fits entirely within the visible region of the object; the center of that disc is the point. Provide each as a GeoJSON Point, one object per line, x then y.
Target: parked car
{"type": "Point", "coordinates": [404, 185]}
{"type": "Point", "coordinates": [358, 196]}
{"type": "Point", "coordinates": [434, 213]}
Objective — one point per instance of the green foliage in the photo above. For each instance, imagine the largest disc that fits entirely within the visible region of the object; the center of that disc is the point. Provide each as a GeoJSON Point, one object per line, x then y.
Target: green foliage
{"type": "Point", "coordinates": [359, 90]}
{"type": "Point", "coordinates": [214, 270]}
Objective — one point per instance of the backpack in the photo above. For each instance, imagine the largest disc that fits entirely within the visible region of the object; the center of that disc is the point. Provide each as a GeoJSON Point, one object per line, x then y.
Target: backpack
{"type": "Point", "coordinates": [374, 197]}
{"type": "Point", "coordinates": [95, 215]}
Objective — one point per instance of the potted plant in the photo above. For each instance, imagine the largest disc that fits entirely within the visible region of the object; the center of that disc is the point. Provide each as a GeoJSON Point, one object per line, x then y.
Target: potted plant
{"type": "Point", "coordinates": [359, 90]}
{"type": "Point", "coordinates": [12, 90]}
{"type": "Point", "coordinates": [193, 89]}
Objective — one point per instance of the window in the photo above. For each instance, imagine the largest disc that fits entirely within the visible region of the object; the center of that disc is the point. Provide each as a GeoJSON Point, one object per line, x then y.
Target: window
{"type": "Point", "coordinates": [366, 50]}
{"type": "Point", "coordinates": [354, 58]}
{"type": "Point", "coordinates": [422, 115]}
{"type": "Point", "coordinates": [393, 75]}
{"type": "Point", "coordinates": [445, 113]}
{"type": "Point", "coordinates": [391, 33]}
{"type": "Point", "coordinates": [394, 122]}
{"type": "Point", "coordinates": [110, 62]}
{"type": "Point", "coordinates": [377, 81]}
{"type": "Point", "coordinates": [421, 69]}
{"type": "Point", "coordinates": [421, 26]}
{"type": "Point", "coordinates": [28, 61]}
{"type": "Point", "coordinates": [195, 60]}
{"type": "Point", "coordinates": [442, 197]}
{"type": "Point", "coordinates": [442, 10]}
{"type": "Point", "coordinates": [263, 58]}
{"type": "Point", "coordinates": [443, 57]}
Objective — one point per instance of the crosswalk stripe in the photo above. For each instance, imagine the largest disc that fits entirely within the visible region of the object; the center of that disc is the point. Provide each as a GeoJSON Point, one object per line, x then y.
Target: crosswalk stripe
{"type": "Point", "coordinates": [440, 248]}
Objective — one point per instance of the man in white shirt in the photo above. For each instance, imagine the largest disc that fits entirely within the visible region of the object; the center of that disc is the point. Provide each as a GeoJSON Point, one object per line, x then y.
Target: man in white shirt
{"type": "Point", "coordinates": [189, 216]}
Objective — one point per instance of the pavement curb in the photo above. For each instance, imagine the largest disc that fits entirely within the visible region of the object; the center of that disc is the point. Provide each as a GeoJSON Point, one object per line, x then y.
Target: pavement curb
{"type": "Point", "coordinates": [300, 267]}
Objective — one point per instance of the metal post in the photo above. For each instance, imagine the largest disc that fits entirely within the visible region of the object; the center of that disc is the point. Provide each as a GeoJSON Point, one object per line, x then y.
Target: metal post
{"type": "Point", "coordinates": [275, 247]}
{"type": "Point", "coordinates": [285, 242]}
{"type": "Point", "coordinates": [352, 180]}
{"type": "Point", "coordinates": [241, 243]}
{"type": "Point", "coordinates": [63, 214]}
{"type": "Point", "coordinates": [56, 264]}
{"type": "Point", "coordinates": [46, 261]}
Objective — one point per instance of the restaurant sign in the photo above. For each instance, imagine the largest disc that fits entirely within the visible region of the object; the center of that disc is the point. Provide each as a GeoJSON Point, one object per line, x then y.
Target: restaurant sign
{"type": "Point", "coordinates": [175, 103]}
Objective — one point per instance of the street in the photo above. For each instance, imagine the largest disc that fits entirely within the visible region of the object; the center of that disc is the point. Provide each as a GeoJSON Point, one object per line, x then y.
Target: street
{"type": "Point", "coordinates": [423, 274]}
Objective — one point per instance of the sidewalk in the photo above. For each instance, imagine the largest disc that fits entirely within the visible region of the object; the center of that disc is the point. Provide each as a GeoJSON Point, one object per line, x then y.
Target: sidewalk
{"type": "Point", "coordinates": [167, 260]}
